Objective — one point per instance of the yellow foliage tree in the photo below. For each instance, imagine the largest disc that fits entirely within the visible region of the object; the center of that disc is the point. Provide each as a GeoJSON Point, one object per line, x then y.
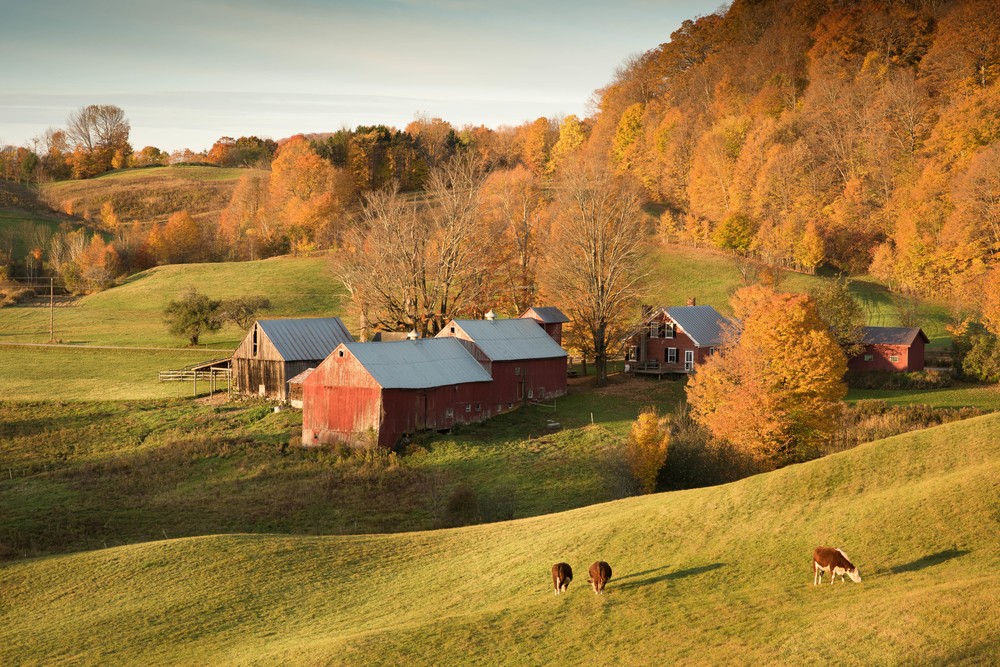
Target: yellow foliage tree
{"type": "Point", "coordinates": [647, 446]}
{"type": "Point", "coordinates": [775, 392]}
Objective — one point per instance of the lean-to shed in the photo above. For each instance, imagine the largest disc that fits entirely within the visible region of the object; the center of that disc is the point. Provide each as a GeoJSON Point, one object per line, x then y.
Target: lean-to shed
{"type": "Point", "coordinates": [367, 393]}
{"type": "Point", "coordinates": [525, 362]}
{"type": "Point", "coordinates": [275, 351]}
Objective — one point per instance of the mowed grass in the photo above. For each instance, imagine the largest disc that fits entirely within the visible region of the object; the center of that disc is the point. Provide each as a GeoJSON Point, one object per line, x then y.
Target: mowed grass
{"type": "Point", "coordinates": [132, 313]}
{"type": "Point", "coordinates": [64, 374]}
{"type": "Point", "coordinates": [710, 576]}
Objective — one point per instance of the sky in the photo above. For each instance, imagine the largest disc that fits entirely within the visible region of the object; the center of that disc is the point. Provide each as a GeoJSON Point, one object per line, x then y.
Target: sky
{"type": "Point", "coordinates": [189, 72]}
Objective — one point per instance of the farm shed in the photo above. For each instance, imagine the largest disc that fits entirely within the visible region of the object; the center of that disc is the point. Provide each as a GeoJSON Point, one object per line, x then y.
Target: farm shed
{"type": "Point", "coordinates": [274, 351]}
{"type": "Point", "coordinates": [525, 362]}
{"type": "Point", "coordinates": [675, 339]}
{"type": "Point", "coordinates": [295, 388]}
{"type": "Point", "coordinates": [549, 318]}
{"type": "Point", "coordinates": [896, 349]}
{"type": "Point", "coordinates": [386, 390]}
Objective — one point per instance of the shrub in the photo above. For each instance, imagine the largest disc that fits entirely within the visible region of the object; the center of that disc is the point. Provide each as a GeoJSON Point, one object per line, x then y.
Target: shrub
{"type": "Point", "coordinates": [646, 447]}
{"type": "Point", "coordinates": [462, 507]}
{"type": "Point", "coordinates": [874, 420]}
{"type": "Point", "coordinates": [891, 380]}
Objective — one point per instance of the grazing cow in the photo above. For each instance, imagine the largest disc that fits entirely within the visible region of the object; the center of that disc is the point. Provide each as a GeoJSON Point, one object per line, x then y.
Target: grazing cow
{"type": "Point", "coordinates": [562, 574]}
{"type": "Point", "coordinates": [600, 574]}
{"type": "Point", "coordinates": [835, 562]}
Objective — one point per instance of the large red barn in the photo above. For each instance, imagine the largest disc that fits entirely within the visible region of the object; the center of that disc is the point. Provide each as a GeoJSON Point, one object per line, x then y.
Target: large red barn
{"type": "Point", "coordinates": [894, 349]}
{"type": "Point", "coordinates": [366, 393]}
{"type": "Point", "coordinates": [525, 362]}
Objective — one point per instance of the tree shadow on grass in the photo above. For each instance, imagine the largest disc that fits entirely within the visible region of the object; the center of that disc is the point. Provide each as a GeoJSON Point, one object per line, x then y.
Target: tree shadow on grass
{"type": "Point", "coordinates": [679, 574]}
{"type": "Point", "coordinates": [928, 561]}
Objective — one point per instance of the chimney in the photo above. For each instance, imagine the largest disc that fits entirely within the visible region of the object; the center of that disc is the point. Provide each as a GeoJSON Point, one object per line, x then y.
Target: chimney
{"type": "Point", "coordinates": [646, 310]}
{"type": "Point", "coordinates": [692, 301]}
{"type": "Point", "coordinates": [490, 315]}
{"type": "Point", "coordinates": [412, 335]}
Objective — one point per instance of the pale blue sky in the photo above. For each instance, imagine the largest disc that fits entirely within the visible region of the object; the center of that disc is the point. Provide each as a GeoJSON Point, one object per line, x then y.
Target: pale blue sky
{"type": "Point", "coordinates": [187, 72]}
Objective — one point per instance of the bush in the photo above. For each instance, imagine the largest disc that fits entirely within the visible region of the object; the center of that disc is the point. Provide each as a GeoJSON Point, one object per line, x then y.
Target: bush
{"type": "Point", "coordinates": [646, 447]}
{"type": "Point", "coordinates": [891, 380]}
{"type": "Point", "coordinates": [462, 507]}
{"type": "Point", "coordinates": [14, 295]}
{"type": "Point", "coordinates": [874, 420]}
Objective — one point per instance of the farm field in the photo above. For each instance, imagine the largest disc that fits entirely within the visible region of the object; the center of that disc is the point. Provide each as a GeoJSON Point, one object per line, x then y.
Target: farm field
{"type": "Point", "coordinates": [132, 313]}
{"type": "Point", "coordinates": [917, 513]}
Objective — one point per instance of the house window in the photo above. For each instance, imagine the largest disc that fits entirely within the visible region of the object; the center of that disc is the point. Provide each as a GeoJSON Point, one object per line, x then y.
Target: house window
{"type": "Point", "coordinates": [654, 329]}
{"type": "Point", "coordinates": [688, 360]}
{"type": "Point", "coordinates": [894, 358]}
{"type": "Point", "coordinates": [254, 343]}
{"type": "Point", "coordinates": [711, 351]}
{"type": "Point", "coordinates": [669, 330]}
{"type": "Point", "coordinates": [632, 354]}
{"type": "Point", "coordinates": [671, 355]}
{"type": "Point", "coordinates": [869, 357]}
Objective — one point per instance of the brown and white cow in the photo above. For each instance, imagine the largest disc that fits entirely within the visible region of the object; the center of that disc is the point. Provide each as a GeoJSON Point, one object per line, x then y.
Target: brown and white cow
{"type": "Point", "coordinates": [600, 574]}
{"type": "Point", "coordinates": [834, 562]}
{"type": "Point", "coordinates": [562, 574]}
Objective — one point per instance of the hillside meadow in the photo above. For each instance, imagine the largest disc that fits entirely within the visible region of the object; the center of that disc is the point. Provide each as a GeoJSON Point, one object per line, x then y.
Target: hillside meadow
{"type": "Point", "coordinates": [709, 576]}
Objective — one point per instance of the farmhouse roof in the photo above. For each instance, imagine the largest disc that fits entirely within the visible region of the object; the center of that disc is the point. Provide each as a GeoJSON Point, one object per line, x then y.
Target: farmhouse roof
{"type": "Point", "coordinates": [418, 364]}
{"type": "Point", "coordinates": [546, 315]}
{"type": "Point", "coordinates": [306, 338]}
{"type": "Point", "coordinates": [703, 324]}
{"type": "Point", "coordinates": [508, 340]}
{"type": "Point", "coordinates": [892, 336]}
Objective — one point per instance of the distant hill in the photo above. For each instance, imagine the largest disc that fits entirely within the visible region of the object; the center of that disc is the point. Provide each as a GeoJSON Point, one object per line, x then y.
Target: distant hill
{"type": "Point", "coordinates": [710, 576]}
{"type": "Point", "coordinates": [146, 195]}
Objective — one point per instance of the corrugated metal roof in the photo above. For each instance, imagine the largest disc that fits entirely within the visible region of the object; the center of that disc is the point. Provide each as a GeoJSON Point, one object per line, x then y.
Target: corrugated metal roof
{"type": "Point", "coordinates": [508, 340]}
{"type": "Point", "coordinates": [419, 364]}
{"type": "Point", "coordinates": [306, 338]}
{"type": "Point", "coordinates": [547, 314]}
{"type": "Point", "coordinates": [704, 324]}
{"type": "Point", "coordinates": [301, 377]}
{"type": "Point", "coordinates": [891, 335]}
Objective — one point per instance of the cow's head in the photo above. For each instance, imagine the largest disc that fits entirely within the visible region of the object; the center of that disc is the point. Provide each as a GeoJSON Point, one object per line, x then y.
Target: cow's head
{"type": "Point", "coordinates": [855, 575]}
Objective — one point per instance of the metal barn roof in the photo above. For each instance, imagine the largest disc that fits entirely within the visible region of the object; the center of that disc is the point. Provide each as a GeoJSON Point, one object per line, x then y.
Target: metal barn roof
{"type": "Point", "coordinates": [301, 377]}
{"type": "Point", "coordinates": [546, 314]}
{"type": "Point", "coordinates": [508, 340]}
{"type": "Point", "coordinates": [704, 324]}
{"type": "Point", "coordinates": [306, 338]}
{"type": "Point", "coordinates": [892, 335]}
{"type": "Point", "coordinates": [419, 364]}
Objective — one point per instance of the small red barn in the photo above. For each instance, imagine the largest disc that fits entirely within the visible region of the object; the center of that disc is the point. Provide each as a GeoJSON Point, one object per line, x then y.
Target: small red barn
{"type": "Point", "coordinates": [549, 318]}
{"type": "Point", "coordinates": [675, 340]}
{"type": "Point", "coordinates": [525, 362]}
{"type": "Point", "coordinates": [895, 349]}
{"type": "Point", "coordinates": [367, 393]}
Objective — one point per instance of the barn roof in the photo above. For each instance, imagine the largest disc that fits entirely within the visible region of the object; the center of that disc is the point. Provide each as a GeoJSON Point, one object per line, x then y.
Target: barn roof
{"type": "Point", "coordinates": [546, 315]}
{"type": "Point", "coordinates": [306, 338]}
{"type": "Point", "coordinates": [508, 340]}
{"type": "Point", "coordinates": [704, 324]}
{"type": "Point", "coordinates": [301, 377]}
{"type": "Point", "coordinates": [418, 364]}
{"type": "Point", "coordinates": [892, 335]}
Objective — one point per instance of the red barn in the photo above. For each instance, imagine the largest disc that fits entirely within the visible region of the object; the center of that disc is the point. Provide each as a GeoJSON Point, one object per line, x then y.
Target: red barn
{"type": "Point", "coordinates": [525, 362]}
{"type": "Point", "coordinates": [895, 349]}
{"type": "Point", "coordinates": [675, 340]}
{"type": "Point", "coordinates": [549, 318]}
{"type": "Point", "coordinates": [365, 392]}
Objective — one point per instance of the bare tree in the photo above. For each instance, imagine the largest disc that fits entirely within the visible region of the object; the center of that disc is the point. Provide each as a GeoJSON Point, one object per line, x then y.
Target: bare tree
{"type": "Point", "coordinates": [597, 265]}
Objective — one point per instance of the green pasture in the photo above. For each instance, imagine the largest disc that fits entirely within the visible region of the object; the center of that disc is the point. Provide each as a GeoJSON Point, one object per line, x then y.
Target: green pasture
{"type": "Point", "coordinates": [14, 223]}
{"type": "Point", "coordinates": [132, 313]}
{"type": "Point", "coordinates": [172, 172]}
{"type": "Point", "coordinates": [711, 576]}
{"type": "Point", "coordinates": [960, 395]}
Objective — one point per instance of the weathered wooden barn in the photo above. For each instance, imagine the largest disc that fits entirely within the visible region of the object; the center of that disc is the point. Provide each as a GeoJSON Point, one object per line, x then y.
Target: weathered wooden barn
{"type": "Point", "coordinates": [295, 388]}
{"type": "Point", "coordinates": [549, 318]}
{"type": "Point", "coordinates": [274, 351]}
{"type": "Point", "coordinates": [526, 364]}
{"type": "Point", "coordinates": [895, 349]}
{"type": "Point", "coordinates": [366, 393]}
{"type": "Point", "coordinates": [675, 339]}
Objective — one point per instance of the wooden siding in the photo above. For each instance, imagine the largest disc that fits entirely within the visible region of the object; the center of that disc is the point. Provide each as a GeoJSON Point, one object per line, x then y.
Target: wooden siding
{"type": "Point", "coordinates": [340, 402]}
{"type": "Point", "coordinates": [266, 368]}
{"type": "Point", "coordinates": [909, 358]}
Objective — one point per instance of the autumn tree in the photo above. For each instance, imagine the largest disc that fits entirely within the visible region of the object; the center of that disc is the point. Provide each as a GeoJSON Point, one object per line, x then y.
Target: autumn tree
{"type": "Point", "coordinates": [183, 240]}
{"type": "Point", "coordinates": [599, 269]}
{"type": "Point", "coordinates": [646, 447]}
{"type": "Point", "coordinates": [192, 315]}
{"type": "Point", "coordinates": [246, 228]}
{"type": "Point", "coordinates": [98, 132]}
{"type": "Point", "coordinates": [843, 314]}
{"type": "Point", "coordinates": [243, 310]}
{"type": "Point", "coordinates": [775, 390]}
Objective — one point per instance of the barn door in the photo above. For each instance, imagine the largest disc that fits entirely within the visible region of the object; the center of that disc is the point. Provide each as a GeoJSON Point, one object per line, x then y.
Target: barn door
{"type": "Point", "coordinates": [420, 419]}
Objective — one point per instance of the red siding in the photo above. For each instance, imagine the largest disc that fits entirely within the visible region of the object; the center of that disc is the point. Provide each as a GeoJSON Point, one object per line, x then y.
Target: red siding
{"type": "Point", "coordinates": [340, 401]}
{"type": "Point", "coordinates": [910, 358]}
{"type": "Point", "coordinates": [656, 348]}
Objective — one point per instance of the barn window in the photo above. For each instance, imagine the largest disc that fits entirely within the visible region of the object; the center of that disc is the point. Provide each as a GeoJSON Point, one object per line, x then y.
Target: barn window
{"type": "Point", "coordinates": [671, 355]}
{"type": "Point", "coordinates": [869, 357]}
{"type": "Point", "coordinates": [449, 413]}
{"type": "Point", "coordinates": [468, 407]}
{"type": "Point", "coordinates": [451, 329]}
{"type": "Point", "coordinates": [340, 353]}
{"type": "Point", "coordinates": [254, 342]}
{"type": "Point", "coordinates": [669, 329]}
{"type": "Point", "coordinates": [894, 358]}
{"type": "Point", "coordinates": [479, 407]}
{"type": "Point", "coordinates": [531, 393]}
{"type": "Point", "coordinates": [517, 370]}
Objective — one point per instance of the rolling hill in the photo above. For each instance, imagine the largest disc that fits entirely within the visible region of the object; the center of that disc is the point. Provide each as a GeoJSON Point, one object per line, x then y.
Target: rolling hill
{"type": "Point", "coordinates": [710, 576]}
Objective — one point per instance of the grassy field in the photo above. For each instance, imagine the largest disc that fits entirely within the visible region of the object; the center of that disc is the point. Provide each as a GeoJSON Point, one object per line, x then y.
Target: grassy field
{"type": "Point", "coordinates": [917, 513]}
{"type": "Point", "coordinates": [147, 194]}
{"type": "Point", "coordinates": [961, 395]}
{"type": "Point", "coordinates": [131, 314]}
{"type": "Point", "coordinates": [66, 374]}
